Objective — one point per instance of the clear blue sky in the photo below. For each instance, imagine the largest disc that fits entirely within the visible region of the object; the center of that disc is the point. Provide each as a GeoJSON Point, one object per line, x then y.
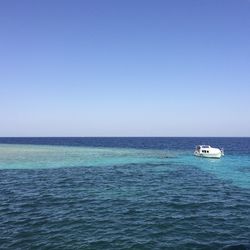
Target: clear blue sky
{"type": "Point", "coordinates": [125, 68]}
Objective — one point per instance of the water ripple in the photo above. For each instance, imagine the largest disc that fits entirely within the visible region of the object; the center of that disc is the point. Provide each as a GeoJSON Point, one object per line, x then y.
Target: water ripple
{"type": "Point", "coordinates": [103, 208]}
{"type": "Point", "coordinates": [138, 202]}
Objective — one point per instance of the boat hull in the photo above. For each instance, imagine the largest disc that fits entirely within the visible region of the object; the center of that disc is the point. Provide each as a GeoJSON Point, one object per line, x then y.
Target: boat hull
{"type": "Point", "coordinates": [216, 155]}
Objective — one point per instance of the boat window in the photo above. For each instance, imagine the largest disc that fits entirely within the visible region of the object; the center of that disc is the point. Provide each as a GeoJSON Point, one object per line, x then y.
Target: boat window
{"type": "Point", "coordinates": [205, 151]}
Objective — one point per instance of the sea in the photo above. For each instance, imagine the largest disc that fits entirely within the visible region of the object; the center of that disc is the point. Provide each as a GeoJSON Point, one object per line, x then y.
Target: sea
{"type": "Point", "coordinates": [123, 193]}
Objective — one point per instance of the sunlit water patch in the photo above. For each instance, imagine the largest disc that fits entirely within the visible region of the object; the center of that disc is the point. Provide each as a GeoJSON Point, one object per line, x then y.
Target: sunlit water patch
{"type": "Point", "coordinates": [34, 156]}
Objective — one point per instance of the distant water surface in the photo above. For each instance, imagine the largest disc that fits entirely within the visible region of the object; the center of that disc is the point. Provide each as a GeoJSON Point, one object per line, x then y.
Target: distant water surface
{"type": "Point", "coordinates": [123, 193]}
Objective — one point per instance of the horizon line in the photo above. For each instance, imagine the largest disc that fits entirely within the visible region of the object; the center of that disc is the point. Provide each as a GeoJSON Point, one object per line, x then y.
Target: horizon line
{"type": "Point", "coordinates": [125, 136]}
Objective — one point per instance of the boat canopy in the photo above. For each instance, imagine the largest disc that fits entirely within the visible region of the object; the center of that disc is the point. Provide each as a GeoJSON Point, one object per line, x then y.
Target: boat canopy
{"type": "Point", "coordinates": [205, 146]}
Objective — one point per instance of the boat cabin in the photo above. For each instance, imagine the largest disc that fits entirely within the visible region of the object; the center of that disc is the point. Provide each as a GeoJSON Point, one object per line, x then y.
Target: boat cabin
{"type": "Point", "coordinates": [203, 149]}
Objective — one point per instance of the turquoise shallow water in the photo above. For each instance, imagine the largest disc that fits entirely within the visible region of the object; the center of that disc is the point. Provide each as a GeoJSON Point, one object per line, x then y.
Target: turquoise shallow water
{"type": "Point", "coordinates": [234, 168]}
{"type": "Point", "coordinates": [112, 195]}
{"type": "Point", "coordinates": [34, 156]}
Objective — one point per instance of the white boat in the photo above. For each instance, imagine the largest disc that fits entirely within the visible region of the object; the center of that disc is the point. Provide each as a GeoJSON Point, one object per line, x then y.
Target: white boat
{"type": "Point", "coordinates": [208, 151]}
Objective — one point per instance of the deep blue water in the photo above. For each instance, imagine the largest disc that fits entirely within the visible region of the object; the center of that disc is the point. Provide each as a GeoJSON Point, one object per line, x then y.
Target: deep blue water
{"type": "Point", "coordinates": [123, 193]}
